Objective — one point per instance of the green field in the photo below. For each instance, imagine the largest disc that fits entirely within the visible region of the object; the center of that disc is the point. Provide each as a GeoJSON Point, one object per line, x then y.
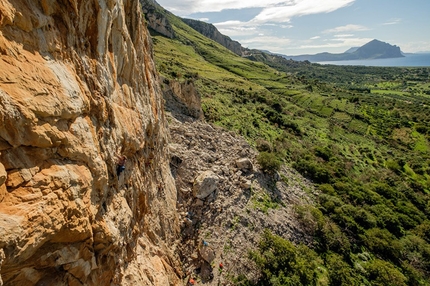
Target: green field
{"type": "Point", "coordinates": [361, 134]}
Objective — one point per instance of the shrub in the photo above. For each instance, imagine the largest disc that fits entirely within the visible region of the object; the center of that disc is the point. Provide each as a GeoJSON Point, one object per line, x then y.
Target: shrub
{"type": "Point", "coordinates": [263, 145]}
{"type": "Point", "coordinates": [269, 162]}
{"type": "Point", "coordinates": [282, 263]}
{"type": "Point", "coordinates": [340, 273]}
{"type": "Point", "coordinates": [384, 273]}
{"type": "Point", "coordinates": [312, 170]}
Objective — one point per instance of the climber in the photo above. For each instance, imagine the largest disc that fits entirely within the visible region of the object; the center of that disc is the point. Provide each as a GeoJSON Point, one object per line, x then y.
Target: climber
{"type": "Point", "coordinates": [121, 164]}
{"type": "Point", "coordinates": [221, 266]}
{"type": "Point", "coordinates": [191, 282]}
{"type": "Point", "coordinates": [205, 243]}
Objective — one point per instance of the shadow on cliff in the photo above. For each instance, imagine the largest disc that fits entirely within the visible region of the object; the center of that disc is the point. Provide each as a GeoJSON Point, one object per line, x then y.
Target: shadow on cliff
{"type": "Point", "coordinates": [182, 99]}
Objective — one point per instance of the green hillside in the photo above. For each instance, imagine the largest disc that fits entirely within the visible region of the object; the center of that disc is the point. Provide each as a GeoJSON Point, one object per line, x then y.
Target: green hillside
{"type": "Point", "coordinates": [361, 134]}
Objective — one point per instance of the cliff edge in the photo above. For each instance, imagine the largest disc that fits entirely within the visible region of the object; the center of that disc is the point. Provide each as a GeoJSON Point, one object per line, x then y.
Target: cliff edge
{"type": "Point", "coordinates": [78, 90]}
{"type": "Point", "coordinates": [210, 31]}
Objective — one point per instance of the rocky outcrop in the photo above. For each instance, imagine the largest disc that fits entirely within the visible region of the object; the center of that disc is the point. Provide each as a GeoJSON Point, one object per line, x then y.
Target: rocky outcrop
{"type": "Point", "coordinates": [182, 98]}
{"type": "Point", "coordinates": [156, 18]}
{"type": "Point", "coordinates": [212, 32]}
{"type": "Point", "coordinates": [78, 88]}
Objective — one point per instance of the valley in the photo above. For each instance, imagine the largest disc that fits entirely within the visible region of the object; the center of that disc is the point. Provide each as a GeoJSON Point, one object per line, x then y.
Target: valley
{"type": "Point", "coordinates": [358, 133]}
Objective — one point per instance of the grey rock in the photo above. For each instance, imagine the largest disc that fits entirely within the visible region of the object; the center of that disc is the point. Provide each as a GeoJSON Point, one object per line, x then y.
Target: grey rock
{"type": "Point", "coordinates": [205, 184]}
{"type": "Point", "coordinates": [207, 253]}
{"type": "Point", "coordinates": [244, 164]}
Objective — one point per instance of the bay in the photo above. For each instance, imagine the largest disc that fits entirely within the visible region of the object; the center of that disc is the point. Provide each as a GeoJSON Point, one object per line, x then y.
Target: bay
{"type": "Point", "coordinates": [410, 60]}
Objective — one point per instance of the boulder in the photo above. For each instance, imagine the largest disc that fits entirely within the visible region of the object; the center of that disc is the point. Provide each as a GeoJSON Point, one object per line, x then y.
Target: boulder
{"type": "Point", "coordinates": [207, 253]}
{"type": "Point", "coordinates": [246, 185]}
{"type": "Point", "coordinates": [244, 164]}
{"type": "Point", "coordinates": [205, 184]}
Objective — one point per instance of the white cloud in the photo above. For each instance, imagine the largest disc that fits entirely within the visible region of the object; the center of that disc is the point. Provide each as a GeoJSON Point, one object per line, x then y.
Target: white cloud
{"type": "Point", "coordinates": [346, 28]}
{"type": "Point", "coordinates": [273, 44]}
{"type": "Point", "coordinates": [315, 38]}
{"type": "Point", "coordinates": [343, 35]}
{"type": "Point", "coordinates": [413, 47]}
{"type": "Point", "coordinates": [186, 7]}
{"type": "Point", "coordinates": [284, 12]}
{"type": "Point", "coordinates": [280, 11]}
{"type": "Point", "coordinates": [393, 21]}
{"type": "Point", "coordinates": [345, 43]}
{"type": "Point", "coordinates": [236, 28]}
{"type": "Point", "coordinates": [204, 19]}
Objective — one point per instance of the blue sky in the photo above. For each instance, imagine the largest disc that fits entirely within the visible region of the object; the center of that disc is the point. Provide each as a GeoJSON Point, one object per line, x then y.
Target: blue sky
{"type": "Point", "coordinates": [294, 27]}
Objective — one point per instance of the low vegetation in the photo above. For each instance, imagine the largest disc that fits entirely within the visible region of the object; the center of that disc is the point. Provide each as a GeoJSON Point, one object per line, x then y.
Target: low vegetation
{"type": "Point", "coordinates": [359, 133]}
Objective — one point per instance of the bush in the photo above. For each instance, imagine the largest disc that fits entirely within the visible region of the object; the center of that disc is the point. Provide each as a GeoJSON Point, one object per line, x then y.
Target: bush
{"type": "Point", "coordinates": [269, 162]}
{"type": "Point", "coordinates": [340, 273]}
{"type": "Point", "coordinates": [263, 145]}
{"type": "Point", "coordinates": [384, 273]}
{"type": "Point", "coordinates": [312, 170]}
{"type": "Point", "coordinates": [282, 263]}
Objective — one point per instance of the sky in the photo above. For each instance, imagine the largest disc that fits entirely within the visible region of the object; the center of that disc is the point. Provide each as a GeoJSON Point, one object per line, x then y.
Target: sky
{"type": "Point", "coordinates": [297, 27]}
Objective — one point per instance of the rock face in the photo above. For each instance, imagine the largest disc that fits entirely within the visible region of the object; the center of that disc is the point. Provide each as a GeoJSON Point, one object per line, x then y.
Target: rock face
{"type": "Point", "coordinates": [182, 98]}
{"type": "Point", "coordinates": [212, 32]}
{"type": "Point", "coordinates": [155, 16]}
{"type": "Point", "coordinates": [78, 88]}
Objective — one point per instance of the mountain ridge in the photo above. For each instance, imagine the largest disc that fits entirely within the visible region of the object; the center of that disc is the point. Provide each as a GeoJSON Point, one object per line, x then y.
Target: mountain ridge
{"type": "Point", "coordinates": [374, 49]}
{"type": "Point", "coordinates": [210, 31]}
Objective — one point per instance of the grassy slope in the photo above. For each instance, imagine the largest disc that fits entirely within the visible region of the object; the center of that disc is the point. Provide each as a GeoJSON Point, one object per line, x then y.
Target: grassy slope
{"type": "Point", "coordinates": [360, 133]}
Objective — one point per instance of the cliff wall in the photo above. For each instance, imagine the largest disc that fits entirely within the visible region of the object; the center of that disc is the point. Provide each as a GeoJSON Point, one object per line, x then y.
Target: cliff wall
{"type": "Point", "coordinates": [210, 31]}
{"type": "Point", "coordinates": [78, 89]}
{"type": "Point", "coordinates": [156, 19]}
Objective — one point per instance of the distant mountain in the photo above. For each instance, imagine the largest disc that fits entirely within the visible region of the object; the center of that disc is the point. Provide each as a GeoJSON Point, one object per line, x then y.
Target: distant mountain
{"type": "Point", "coordinates": [351, 50]}
{"type": "Point", "coordinates": [378, 50]}
{"type": "Point", "coordinates": [372, 50]}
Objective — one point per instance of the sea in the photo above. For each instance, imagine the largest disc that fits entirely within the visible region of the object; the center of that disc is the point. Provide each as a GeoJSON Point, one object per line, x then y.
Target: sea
{"type": "Point", "coordinates": [410, 60]}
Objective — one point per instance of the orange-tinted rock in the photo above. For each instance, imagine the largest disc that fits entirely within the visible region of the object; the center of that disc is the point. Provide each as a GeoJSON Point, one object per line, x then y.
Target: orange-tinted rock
{"type": "Point", "coordinates": [78, 88]}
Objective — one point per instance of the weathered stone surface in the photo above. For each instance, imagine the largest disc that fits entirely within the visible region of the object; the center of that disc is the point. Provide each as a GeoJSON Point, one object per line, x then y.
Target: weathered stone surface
{"type": "Point", "coordinates": [78, 87]}
{"type": "Point", "coordinates": [3, 174]}
{"type": "Point", "coordinates": [207, 253]}
{"type": "Point", "coordinates": [205, 184]}
{"type": "Point", "coordinates": [212, 32]}
{"type": "Point", "coordinates": [244, 164]}
{"type": "Point", "coordinates": [156, 20]}
{"type": "Point", "coordinates": [182, 98]}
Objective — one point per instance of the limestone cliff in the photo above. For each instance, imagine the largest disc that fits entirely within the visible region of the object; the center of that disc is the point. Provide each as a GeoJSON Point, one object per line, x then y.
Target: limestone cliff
{"type": "Point", "coordinates": [212, 32]}
{"type": "Point", "coordinates": [182, 98]}
{"type": "Point", "coordinates": [156, 18]}
{"type": "Point", "coordinates": [78, 88]}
